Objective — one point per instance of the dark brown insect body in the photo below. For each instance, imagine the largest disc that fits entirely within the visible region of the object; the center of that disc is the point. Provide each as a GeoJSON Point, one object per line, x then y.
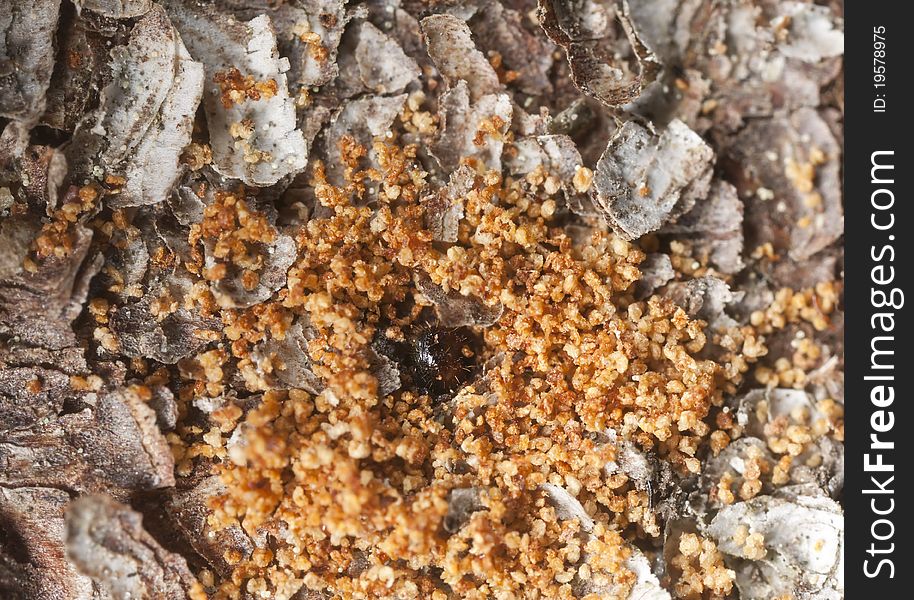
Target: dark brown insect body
{"type": "Point", "coordinates": [442, 360]}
